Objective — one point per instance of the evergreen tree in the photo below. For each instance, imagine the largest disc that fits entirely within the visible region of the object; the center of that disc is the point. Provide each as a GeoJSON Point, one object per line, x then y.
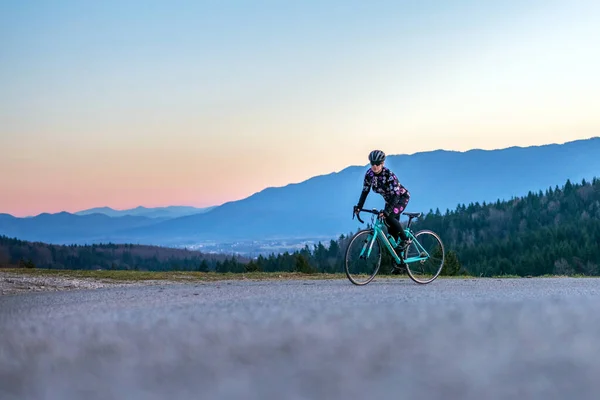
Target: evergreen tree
{"type": "Point", "coordinates": [451, 264]}
{"type": "Point", "coordinates": [302, 265]}
{"type": "Point", "coordinates": [203, 267]}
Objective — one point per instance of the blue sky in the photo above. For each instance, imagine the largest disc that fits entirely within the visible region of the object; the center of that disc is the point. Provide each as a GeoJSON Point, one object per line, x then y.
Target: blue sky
{"type": "Point", "coordinates": [135, 103]}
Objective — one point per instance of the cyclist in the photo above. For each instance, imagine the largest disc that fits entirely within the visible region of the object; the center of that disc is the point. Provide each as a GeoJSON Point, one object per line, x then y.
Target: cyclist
{"type": "Point", "coordinates": [383, 181]}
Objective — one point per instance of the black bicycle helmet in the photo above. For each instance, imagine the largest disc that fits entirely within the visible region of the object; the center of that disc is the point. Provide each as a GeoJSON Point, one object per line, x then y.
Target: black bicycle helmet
{"type": "Point", "coordinates": [376, 157]}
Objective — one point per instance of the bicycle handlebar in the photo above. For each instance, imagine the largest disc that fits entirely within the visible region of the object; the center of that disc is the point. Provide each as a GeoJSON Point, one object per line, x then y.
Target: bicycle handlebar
{"type": "Point", "coordinates": [372, 211]}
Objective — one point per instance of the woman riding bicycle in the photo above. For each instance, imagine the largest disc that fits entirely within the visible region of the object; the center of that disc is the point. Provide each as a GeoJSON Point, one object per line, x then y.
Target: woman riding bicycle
{"type": "Point", "coordinates": [383, 181]}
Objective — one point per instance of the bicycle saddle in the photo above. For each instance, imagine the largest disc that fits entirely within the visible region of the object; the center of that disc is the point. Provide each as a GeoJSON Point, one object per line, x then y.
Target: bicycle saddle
{"type": "Point", "coordinates": [413, 215]}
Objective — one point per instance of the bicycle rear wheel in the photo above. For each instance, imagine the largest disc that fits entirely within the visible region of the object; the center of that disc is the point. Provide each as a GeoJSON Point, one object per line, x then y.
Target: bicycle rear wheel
{"type": "Point", "coordinates": [428, 254]}
{"type": "Point", "coordinates": [363, 257]}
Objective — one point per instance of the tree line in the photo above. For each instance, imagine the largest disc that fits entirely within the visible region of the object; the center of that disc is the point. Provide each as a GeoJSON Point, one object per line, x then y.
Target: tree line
{"type": "Point", "coordinates": [20, 253]}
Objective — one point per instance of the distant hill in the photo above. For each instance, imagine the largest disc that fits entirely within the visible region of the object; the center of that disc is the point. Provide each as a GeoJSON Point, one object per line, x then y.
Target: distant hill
{"type": "Point", "coordinates": [322, 206]}
{"type": "Point", "coordinates": [154, 212]}
{"type": "Point", "coordinates": [66, 228]}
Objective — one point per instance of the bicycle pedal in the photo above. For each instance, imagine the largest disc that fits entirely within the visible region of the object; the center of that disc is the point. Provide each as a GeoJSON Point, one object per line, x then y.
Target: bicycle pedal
{"type": "Point", "coordinates": [398, 269]}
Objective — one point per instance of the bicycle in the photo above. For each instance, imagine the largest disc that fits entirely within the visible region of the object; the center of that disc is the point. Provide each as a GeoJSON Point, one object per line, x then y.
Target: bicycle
{"type": "Point", "coordinates": [423, 256]}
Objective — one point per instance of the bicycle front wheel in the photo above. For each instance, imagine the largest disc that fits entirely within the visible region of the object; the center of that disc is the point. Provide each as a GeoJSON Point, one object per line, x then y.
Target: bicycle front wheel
{"type": "Point", "coordinates": [363, 257]}
{"type": "Point", "coordinates": [425, 257]}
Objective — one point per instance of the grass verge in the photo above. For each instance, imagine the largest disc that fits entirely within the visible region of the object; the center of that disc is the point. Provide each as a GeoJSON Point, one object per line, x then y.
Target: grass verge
{"type": "Point", "coordinates": [177, 276]}
{"type": "Point", "coordinates": [187, 276]}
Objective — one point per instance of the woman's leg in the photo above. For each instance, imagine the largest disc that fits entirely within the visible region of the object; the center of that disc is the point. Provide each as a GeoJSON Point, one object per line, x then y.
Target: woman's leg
{"type": "Point", "coordinates": [393, 219]}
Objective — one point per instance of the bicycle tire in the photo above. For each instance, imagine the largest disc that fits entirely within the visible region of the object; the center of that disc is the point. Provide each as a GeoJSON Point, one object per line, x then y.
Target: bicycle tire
{"type": "Point", "coordinates": [438, 269]}
{"type": "Point", "coordinates": [356, 237]}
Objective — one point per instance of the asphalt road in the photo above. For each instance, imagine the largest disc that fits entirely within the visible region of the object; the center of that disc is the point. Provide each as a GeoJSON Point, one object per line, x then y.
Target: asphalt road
{"type": "Point", "coordinates": [392, 339]}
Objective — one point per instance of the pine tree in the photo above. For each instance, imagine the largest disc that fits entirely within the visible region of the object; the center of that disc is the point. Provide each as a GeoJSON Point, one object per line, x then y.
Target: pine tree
{"type": "Point", "coordinates": [451, 264]}
{"type": "Point", "coordinates": [203, 267]}
{"type": "Point", "coordinates": [303, 266]}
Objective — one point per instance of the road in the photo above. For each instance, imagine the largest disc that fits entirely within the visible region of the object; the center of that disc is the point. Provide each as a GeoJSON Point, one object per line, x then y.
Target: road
{"type": "Point", "coordinates": [452, 339]}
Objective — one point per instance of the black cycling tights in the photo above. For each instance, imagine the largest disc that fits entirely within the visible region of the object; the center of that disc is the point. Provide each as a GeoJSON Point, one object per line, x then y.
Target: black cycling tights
{"type": "Point", "coordinates": [393, 220]}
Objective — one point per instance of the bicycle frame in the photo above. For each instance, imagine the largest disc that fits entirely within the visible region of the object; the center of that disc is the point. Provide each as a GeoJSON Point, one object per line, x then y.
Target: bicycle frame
{"type": "Point", "coordinates": [378, 233]}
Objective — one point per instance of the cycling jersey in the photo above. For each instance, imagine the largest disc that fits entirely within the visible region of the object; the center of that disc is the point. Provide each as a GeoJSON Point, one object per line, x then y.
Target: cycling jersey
{"type": "Point", "coordinates": [387, 185]}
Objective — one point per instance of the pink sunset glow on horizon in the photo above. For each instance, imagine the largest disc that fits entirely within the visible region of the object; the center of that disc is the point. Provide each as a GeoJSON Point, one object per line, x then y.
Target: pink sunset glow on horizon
{"type": "Point", "coordinates": [66, 189]}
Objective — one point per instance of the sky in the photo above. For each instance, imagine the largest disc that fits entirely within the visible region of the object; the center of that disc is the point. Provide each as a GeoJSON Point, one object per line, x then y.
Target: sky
{"type": "Point", "coordinates": [156, 103]}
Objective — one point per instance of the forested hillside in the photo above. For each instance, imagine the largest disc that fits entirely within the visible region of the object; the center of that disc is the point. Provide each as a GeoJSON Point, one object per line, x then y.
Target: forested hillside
{"type": "Point", "coordinates": [19, 253]}
{"type": "Point", "coordinates": [551, 232]}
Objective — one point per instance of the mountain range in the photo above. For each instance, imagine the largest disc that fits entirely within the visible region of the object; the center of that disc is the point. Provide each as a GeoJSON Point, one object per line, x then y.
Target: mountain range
{"type": "Point", "coordinates": [321, 207]}
{"type": "Point", "coordinates": [155, 212]}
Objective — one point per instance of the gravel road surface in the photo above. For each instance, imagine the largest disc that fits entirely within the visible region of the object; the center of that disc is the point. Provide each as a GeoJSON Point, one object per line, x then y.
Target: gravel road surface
{"type": "Point", "coordinates": [13, 282]}
{"type": "Point", "coordinates": [392, 339]}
